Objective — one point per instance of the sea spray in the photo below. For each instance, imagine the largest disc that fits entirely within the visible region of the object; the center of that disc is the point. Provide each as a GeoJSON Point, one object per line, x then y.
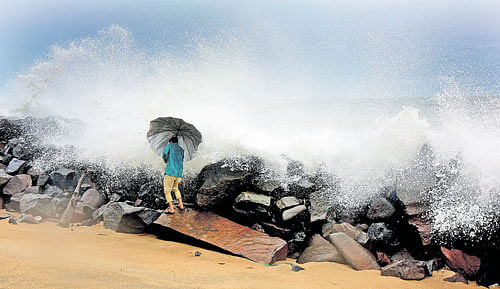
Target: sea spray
{"type": "Point", "coordinates": [112, 88]}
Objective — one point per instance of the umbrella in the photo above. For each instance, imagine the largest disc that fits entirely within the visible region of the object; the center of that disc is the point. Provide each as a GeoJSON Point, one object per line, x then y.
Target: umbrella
{"type": "Point", "coordinates": [163, 128]}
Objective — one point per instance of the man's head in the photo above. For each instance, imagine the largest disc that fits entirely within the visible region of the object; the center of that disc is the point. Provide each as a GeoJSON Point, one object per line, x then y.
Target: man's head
{"type": "Point", "coordinates": [173, 140]}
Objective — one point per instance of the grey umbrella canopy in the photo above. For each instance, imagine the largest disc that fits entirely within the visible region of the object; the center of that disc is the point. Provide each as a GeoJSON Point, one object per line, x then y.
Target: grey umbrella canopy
{"type": "Point", "coordinates": [163, 128]}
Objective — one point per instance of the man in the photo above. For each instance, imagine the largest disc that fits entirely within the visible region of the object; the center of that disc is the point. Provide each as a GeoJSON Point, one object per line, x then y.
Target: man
{"type": "Point", "coordinates": [173, 155]}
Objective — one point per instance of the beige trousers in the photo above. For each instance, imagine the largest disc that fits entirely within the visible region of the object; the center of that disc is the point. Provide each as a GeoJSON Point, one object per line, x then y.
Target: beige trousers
{"type": "Point", "coordinates": [171, 184]}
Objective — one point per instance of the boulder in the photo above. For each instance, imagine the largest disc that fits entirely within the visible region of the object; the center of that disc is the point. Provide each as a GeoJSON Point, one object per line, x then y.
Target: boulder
{"type": "Point", "coordinates": [467, 265]}
{"type": "Point", "coordinates": [14, 202]}
{"type": "Point", "coordinates": [287, 202]}
{"type": "Point", "coordinates": [320, 250]}
{"type": "Point", "coordinates": [38, 205]}
{"type": "Point", "coordinates": [122, 217]}
{"type": "Point", "coordinates": [406, 270]}
{"type": "Point", "coordinates": [293, 212]}
{"type": "Point", "coordinates": [353, 253]}
{"type": "Point", "coordinates": [4, 178]}
{"type": "Point", "coordinates": [42, 180]}
{"type": "Point", "coordinates": [267, 186]}
{"type": "Point", "coordinates": [54, 192]}
{"type": "Point", "coordinates": [358, 235]}
{"type": "Point", "coordinates": [320, 209]}
{"type": "Point", "coordinates": [15, 166]}
{"type": "Point", "coordinates": [22, 151]}
{"type": "Point", "coordinates": [17, 184]}
{"type": "Point", "coordinates": [28, 218]}
{"type": "Point", "coordinates": [380, 208]}
{"type": "Point", "coordinates": [33, 190]}
{"type": "Point", "coordinates": [253, 198]}
{"type": "Point", "coordinates": [63, 178]}
{"type": "Point", "coordinates": [423, 227]}
{"type": "Point", "coordinates": [381, 236]}
{"type": "Point", "coordinates": [251, 205]}
{"type": "Point", "coordinates": [93, 198]}
{"type": "Point", "coordinates": [6, 159]}
{"type": "Point", "coordinates": [219, 183]}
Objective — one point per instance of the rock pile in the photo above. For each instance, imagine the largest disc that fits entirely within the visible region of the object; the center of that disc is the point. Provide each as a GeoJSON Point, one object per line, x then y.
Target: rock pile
{"type": "Point", "coordinates": [391, 233]}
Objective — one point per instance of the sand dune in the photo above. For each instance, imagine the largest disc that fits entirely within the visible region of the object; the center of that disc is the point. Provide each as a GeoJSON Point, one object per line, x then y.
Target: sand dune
{"type": "Point", "coordinates": [46, 256]}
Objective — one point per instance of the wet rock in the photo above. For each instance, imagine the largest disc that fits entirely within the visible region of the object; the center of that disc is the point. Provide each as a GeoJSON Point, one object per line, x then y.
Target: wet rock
{"type": "Point", "coordinates": [406, 270]}
{"type": "Point", "coordinates": [251, 204]}
{"type": "Point", "coordinates": [250, 197]}
{"type": "Point", "coordinates": [356, 234]}
{"type": "Point", "coordinates": [362, 227]}
{"type": "Point", "coordinates": [15, 166]}
{"type": "Point", "coordinates": [380, 208]}
{"type": "Point", "coordinates": [423, 226]}
{"type": "Point", "coordinates": [320, 209]}
{"type": "Point", "coordinates": [121, 217]}
{"type": "Point", "coordinates": [17, 184]}
{"type": "Point", "coordinates": [38, 205]}
{"type": "Point", "coordinates": [42, 180]}
{"type": "Point", "coordinates": [320, 250]}
{"type": "Point", "coordinates": [217, 190]}
{"type": "Point", "coordinates": [277, 231]}
{"type": "Point", "coordinates": [293, 212]}
{"type": "Point", "coordinates": [22, 151]}
{"type": "Point", "coordinates": [63, 178]}
{"type": "Point", "coordinates": [287, 202]}
{"type": "Point", "coordinates": [6, 159]}
{"type": "Point", "coordinates": [267, 185]}
{"type": "Point", "coordinates": [381, 236]}
{"type": "Point", "coordinates": [467, 265]}
{"type": "Point", "coordinates": [353, 253]}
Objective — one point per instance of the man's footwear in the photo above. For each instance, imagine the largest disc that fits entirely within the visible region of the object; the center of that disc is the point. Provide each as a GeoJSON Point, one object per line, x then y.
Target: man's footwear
{"type": "Point", "coordinates": [168, 212]}
{"type": "Point", "coordinates": [182, 209]}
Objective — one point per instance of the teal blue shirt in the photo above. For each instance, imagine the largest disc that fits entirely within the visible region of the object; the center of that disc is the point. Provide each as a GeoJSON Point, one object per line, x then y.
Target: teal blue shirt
{"type": "Point", "coordinates": [173, 154]}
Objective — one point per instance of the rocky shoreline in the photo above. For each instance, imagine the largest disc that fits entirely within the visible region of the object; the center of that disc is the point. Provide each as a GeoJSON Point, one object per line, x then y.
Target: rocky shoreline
{"type": "Point", "coordinates": [392, 232]}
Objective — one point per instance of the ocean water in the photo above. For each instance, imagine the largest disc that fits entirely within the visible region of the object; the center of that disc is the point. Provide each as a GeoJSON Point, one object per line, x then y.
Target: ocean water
{"type": "Point", "coordinates": [114, 87]}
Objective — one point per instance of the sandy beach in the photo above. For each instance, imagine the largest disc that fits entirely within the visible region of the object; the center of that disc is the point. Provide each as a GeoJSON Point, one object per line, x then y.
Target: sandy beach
{"type": "Point", "coordinates": [47, 256]}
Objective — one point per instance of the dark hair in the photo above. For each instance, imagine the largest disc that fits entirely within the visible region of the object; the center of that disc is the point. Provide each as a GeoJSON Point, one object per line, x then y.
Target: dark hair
{"type": "Point", "coordinates": [173, 139]}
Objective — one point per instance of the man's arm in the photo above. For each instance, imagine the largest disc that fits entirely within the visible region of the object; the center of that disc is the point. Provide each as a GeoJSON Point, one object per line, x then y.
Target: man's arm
{"type": "Point", "coordinates": [166, 153]}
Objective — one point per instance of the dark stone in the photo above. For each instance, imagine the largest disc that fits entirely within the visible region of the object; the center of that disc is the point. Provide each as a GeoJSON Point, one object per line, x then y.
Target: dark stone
{"type": "Point", "coordinates": [380, 208]}
{"type": "Point", "coordinates": [15, 166]}
{"type": "Point", "coordinates": [252, 205]}
{"type": "Point", "coordinates": [6, 159]}
{"type": "Point", "coordinates": [93, 198]}
{"type": "Point", "coordinates": [406, 270]}
{"type": "Point", "coordinates": [353, 253]}
{"type": "Point", "coordinates": [54, 192]}
{"type": "Point", "coordinates": [277, 231]}
{"type": "Point", "coordinates": [22, 151]}
{"type": "Point", "coordinates": [17, 184]}
{"type": "Point", "coordinates": [121, 217]}
{"type": "Point", "coordinates": [42, 180]}
{"type": "Point", "coordinates": [216, 196]}
{"type": "Point", "coordinates": [381, 236]}
{"type": "Point", "coordinates": [320, 209]}
{"type": "Point", "coordinates": [63, 178]}
{"type": "Point", "coordinates": [148, 216]}
{"type": "Point", "coordinates": [12, 221]}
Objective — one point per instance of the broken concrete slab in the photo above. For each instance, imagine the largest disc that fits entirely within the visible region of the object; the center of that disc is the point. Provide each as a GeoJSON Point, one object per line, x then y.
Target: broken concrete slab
{"type": "Point", "coordinates": [226, 234]}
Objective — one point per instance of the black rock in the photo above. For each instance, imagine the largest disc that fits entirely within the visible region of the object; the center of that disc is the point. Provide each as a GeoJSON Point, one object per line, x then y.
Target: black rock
{"type": "Point", "coordinates": [63, 178]}
{"type": "Point", "coordinates": [381, 237]}
{"type": "Point", "coordinates": [121, 217]}
{"type": "Point", "coordinates": [42, 180]}
{"type": "Point", "coordinates": [54, 192]}
{"type": "Point", "coordinates": [6, 159]}
{"type": "Point", "coordinates": [380, 208]}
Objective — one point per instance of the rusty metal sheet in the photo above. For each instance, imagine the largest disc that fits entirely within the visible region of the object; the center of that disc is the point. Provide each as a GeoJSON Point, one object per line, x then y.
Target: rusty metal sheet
{"type": "Point", "coordinates": [226, 234]}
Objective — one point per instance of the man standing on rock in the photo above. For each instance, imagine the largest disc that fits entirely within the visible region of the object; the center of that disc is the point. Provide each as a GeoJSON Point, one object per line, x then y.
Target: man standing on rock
{"type": "Point", "coordinates": [173, 155]}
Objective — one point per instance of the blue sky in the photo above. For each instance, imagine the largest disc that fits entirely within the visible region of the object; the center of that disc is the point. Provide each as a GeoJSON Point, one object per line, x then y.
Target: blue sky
{"type": "Point", "coordinates": [406, 46]}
